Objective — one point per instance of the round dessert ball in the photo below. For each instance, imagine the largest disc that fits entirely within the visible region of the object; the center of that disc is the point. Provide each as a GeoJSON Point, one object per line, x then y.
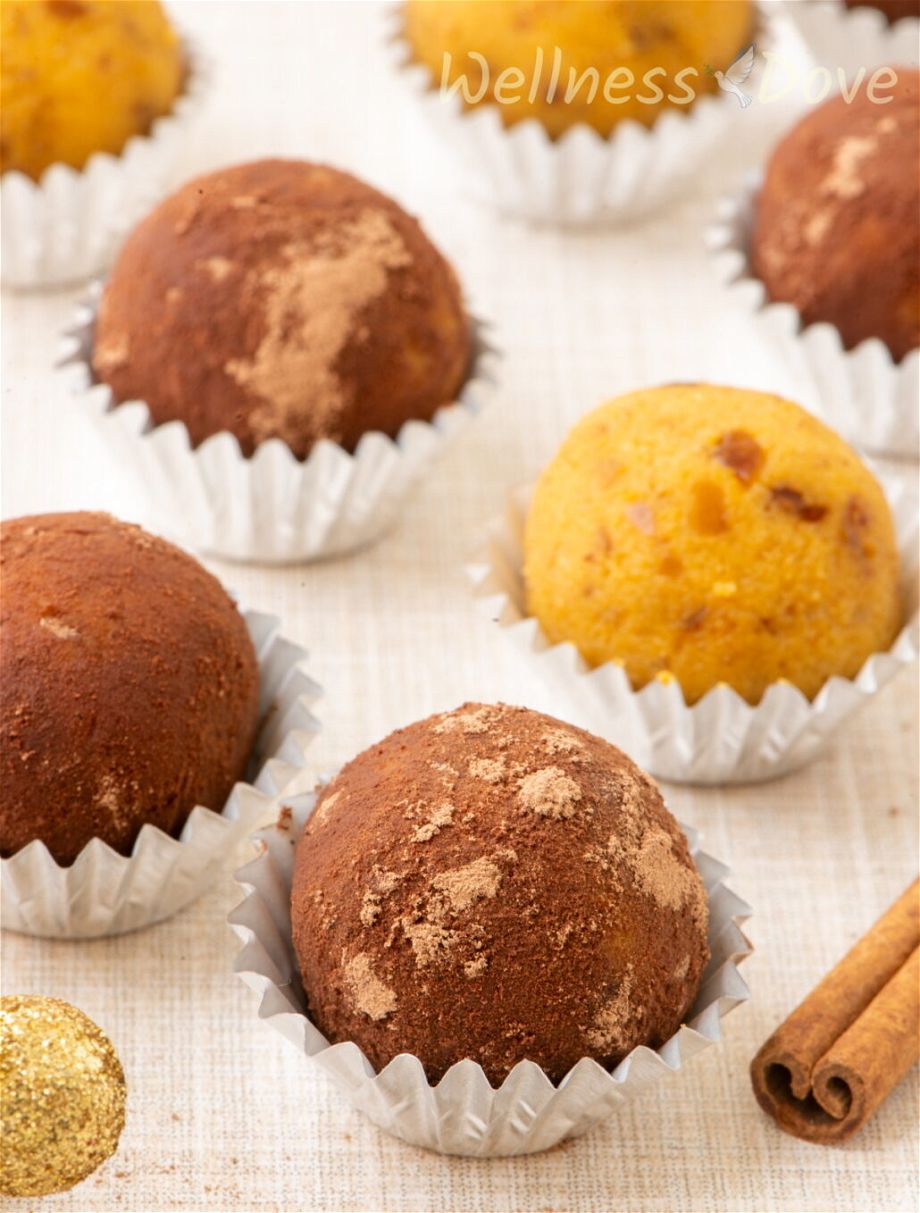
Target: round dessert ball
{"type": "Point", "coordinates": [491, 883]}
{"type": "Point", "coordinates": [62, 1096]}
{"type": "Point", "coordinates": [837, 230]}
{"type": "Point", "coordinates": [130, 685]}
{"type": "Point", "coordinates": [80, 77]}
{"type": "Point", "coordinates": [712, 535]}
{"type": "Point", "coordinates": [280, 299]}
{"type": "Point", "coordinates": [507, 52]}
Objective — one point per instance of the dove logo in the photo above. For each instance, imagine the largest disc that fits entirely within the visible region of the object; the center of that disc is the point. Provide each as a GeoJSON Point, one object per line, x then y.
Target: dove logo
{"type": "Point", "coordinates": [736, 74]}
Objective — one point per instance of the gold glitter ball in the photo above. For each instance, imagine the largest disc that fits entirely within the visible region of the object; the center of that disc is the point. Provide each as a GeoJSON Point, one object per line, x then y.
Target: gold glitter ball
{"type": "Point", "coordinates": [62, 1096]}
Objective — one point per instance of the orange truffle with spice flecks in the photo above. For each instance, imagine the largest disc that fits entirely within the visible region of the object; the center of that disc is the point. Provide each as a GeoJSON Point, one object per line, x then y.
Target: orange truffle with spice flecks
{"type": "Point", "coordinates": [80, 77]}
{"type": "Point", "coordinates": [281, 299]}
{"type": "Point", "coordinates": [605, 63]}
{"type": "Point", "coordinates": [712, 535]}
{"type": "Point", "coordinates": [837, 229]}
{"type": "Point", "coordinates": [495, 884]}
{"type": "Point", "coordinates": [130, 685]}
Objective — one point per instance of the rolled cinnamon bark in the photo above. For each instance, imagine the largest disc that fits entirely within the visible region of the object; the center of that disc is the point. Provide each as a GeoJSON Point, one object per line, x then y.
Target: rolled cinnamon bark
{"type": "Point", "coordinates": [825, 1070]}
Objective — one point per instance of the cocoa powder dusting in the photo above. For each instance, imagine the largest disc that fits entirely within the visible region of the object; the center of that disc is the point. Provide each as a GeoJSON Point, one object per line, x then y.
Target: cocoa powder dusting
{"type": "Point", "coordinates": [385, 881]}
{"type": "Point", "coordinates": [845, 180]}
{"type": "Point", "coordinates": [324, 808]}
{"type": "Point", "coordinates": [111, 353]}
{"type": "Point", "coordinates": [663, 875]}
{"type": "Point", "coordinates": [369, 994]}
{"type": "Point", "coordinates": [445, 769]}
{"type": "Point", "coordinates": [217, 268]}
{"type": "Point", "coordinates": [470, 723]}
{"type": "Point", "coordinates": [431, 942]}
{"type": "Point", "coordinates": [492, 770]}
{"type": "Point", "coordinates": [610, 1025]}
{"type": "Point", "coordinates": [442, 816]}
{"type": "Point", "coordinates": [117, 649]}
{"type": "Point", "coordinates": [560, 741]}
{"type": "Point", "coordinates": [111, 797]}
{"type": "Point", "coordinates": [835, 230]}
{"type": "Point", "coordinates": [282, 299]}
{"type": "Point", "coordinates": [311, 307]}
{"type": "Point", "coordinates": [549, 792]}
{"type": "Point", "coordinates": [370, 908]}
{"type": "Point", "coordinates": [547, 919]}
{"type": "Point", "coordinates": [463, 886]}
{"type": "Point", "coordinates": [63, 631]}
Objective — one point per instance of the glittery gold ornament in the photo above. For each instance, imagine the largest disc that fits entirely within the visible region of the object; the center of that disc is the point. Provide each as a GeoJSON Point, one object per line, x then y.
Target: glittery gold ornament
{"type": "Point", "coordinates": [62, 1096]}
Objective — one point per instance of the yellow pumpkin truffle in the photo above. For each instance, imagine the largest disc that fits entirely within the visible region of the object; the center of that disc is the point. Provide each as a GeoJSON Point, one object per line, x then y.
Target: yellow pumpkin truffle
{"type": "Point", "coordinates": [611, 54]}
{"type": "Point", "coordinates": [80, 77]}
{"type": "Point", "coordinates": [712, 535]}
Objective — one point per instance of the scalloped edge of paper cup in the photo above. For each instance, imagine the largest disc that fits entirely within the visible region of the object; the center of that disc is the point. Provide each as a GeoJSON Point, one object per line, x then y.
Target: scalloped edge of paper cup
{"type": "Point", "coordinates": [66, 227]}
{"type": "Point", "coordinates": [853, 38]}
{"type": "Point", "coordinates": [581, 178]}
{"type": "Point", "coordinates": [270, 508]}
{"type": "Point", "coordinates": [862, 393]}
{"type": "Point", "coordinates": [720, 739]}
{"type": "Point", "coordinates": [463, 1113]}
{"type": "Point", "coordinates": [105, 893]}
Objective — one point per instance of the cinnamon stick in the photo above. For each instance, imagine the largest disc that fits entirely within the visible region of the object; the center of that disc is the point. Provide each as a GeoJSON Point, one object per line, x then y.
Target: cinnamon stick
{"type": "Point", "coordinates": [841, 1052]}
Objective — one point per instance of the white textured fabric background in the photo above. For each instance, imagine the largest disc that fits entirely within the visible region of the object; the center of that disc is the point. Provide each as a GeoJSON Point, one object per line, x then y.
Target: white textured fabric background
{"type": "Point", "coordinates": [222, 1113]}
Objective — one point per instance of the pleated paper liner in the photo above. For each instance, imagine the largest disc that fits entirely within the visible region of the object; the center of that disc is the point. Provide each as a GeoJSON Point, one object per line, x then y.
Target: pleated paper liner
{"type": "Point", "coordinates": [862, 393]}
{"type": "Point", "coordinates": [270, 508]}
{"type": "Point", "coordinates": [463, 1114]}
{"type": "Point", "coordinates": [854, 40]}
{"type": "Point", "coordinates": [720, 739]}
{"type": "Point", "coordinates": [105, 893]}
{"type": "Point", "coordinates": [581, 178]}
{"type": "Point", "coordinates": [66, 227]}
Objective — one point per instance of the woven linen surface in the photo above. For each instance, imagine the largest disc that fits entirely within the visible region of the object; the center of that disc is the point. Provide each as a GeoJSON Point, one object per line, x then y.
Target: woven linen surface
{"type": "Point", "coordinates": [223, 1114]}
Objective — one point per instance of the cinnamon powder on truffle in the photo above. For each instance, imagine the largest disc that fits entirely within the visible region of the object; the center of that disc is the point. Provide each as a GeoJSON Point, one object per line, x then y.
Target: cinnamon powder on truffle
{"type": "Point", "coordinates": [549, 792]}
{"type": "Point", "coordinates": [368, 992]}
{"type": "Point", "coordinates": [312, 306]}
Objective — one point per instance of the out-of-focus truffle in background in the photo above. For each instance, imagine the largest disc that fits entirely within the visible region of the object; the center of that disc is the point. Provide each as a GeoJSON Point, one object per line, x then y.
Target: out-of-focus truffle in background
{"type": "Point", "coordinates": [82, 76]}
{"type": "Point", "coordinates": [837, 228]}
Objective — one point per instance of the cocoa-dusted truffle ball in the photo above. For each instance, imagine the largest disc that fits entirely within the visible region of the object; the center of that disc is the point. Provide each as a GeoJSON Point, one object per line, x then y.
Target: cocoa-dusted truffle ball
{"type": "Point", "coordinates": [493, 884]}
{"type": "Point", "coordinates": [130, 685]}
{"type": "Point", "coordinates": [837, 232]}
{"type": "Point", "coordinates": [286, 300]}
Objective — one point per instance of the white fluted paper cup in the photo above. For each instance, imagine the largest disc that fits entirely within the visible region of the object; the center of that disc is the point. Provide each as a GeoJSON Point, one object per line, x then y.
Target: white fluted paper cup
{"type": "Point", "coordinates": [581, 178]}
{"type": "Point", "coordinates": [105, 893]}
{"type": "Point", "coordinates": [463, 1113]}
{"type": "Point", "coordinates": [862, 393]}
{"type": "Point", "coordinates": [850, 39]}
{"type": "Point", "coordinates": [720, 739]}
{"type": "Point", "coordinates": [66, 227]}
{"type": "Point", "coordinates": [269, 508]}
